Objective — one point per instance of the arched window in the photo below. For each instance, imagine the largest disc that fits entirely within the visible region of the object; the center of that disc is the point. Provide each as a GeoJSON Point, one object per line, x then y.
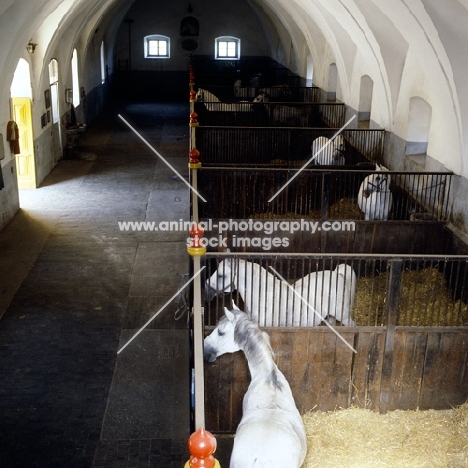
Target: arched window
{"type": "Point", "coordinates": [102, 53]}
{"type": "Point", "coordinates": [157, 46]}
{"type": "Point", "coordinates": [75, 79]}
{"type": "Point", "coordinates": [53, 81]}
{"type": "Point", "coordinates": [310, 71]}
{"type": "Point", "coordinates": [227, 48]}
{"type": "Point", "coordinates": [21, 85]}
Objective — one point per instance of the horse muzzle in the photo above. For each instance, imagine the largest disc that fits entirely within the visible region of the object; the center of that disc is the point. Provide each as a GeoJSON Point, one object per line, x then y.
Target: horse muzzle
{"type": "Point", "coordinates": [209, 354]}
{"type": "Point", "coordinates": [210, 293]}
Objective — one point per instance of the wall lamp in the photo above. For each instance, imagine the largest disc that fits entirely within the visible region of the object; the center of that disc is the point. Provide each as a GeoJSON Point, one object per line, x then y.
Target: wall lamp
{"type": "Point", "coordinates": [31, 47]}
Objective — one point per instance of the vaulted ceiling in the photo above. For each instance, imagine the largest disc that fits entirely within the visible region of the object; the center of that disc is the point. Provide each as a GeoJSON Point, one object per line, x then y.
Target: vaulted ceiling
{"type": "Point", "coordinates": [370, 36]}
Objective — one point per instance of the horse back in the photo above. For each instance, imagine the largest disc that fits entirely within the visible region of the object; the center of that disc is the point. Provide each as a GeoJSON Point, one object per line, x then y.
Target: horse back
{"type": "Point", "coordinates": [268, 442]}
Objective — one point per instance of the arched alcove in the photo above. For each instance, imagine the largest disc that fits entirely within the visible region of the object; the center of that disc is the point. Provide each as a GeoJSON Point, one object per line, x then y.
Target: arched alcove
{"type": "Point", "coordinates": [309, 71]}
{"type": "Point", "coordinates": [419, 124]}
{"type": "Point", "coordinates": [365, 100]}
{"type": "Point", "coordinates": [332, 82]}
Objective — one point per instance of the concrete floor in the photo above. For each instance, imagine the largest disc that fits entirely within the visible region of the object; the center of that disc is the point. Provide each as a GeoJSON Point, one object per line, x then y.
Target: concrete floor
{"type": "Point", "coordinates": [75, 288]}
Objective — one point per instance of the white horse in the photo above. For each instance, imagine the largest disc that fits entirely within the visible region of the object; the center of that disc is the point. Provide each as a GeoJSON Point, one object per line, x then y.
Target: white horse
{"type": "Point", "coordinates": [243, 91]}
{"type": "Point", "coordinates": [281, 114]}
{"type": "Point", "coordinates": [271, 432]}
{"type": "Point", "coordinates": [281, 92]}
{"type": "Point", "coordinates": [213, 103]}
{"type": "Point", "coordinates": [375, 199]}
{"type": "Point", "coordinates": [261, 97]}
{"type": "Point", "coordinates": [271, 302]}
{"type": "Point", "coordinates": [329, 153]}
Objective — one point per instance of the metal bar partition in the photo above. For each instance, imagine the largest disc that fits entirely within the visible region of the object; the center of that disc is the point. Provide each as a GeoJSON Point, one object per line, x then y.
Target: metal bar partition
{"type": "Point", "coordinates": [411, 336]}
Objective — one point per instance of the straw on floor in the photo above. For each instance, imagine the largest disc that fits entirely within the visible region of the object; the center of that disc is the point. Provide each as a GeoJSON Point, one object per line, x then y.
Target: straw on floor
{"type": "Point", "coordinates": [361, 438]}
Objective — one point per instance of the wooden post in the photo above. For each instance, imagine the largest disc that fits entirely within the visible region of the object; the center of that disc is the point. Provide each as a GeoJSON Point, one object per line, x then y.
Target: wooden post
{"type": "Point", "coordinates": [195, 250]}
{"type": "Point", "coordinates": [393, 298]}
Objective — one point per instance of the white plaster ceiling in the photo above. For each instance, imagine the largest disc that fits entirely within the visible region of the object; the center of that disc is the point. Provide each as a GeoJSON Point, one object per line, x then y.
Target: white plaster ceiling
{"type": "Point", "coordinates": [361, 36]}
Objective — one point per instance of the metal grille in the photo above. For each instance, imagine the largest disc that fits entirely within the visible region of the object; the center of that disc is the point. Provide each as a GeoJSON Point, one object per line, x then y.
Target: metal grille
{"type": "Point", "coordinates": [271, 114]}
{"type": "Point", "coordinates": [247, 92]}
{"type": "Point", "coordinates": [402, 290]}
{"type": "Point", "coordinates": [318, 193]}
{"type": "Point", "coordinates": [282, 146]}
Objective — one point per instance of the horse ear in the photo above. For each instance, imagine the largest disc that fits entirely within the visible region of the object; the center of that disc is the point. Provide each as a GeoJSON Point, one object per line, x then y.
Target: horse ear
{"type": "Point", "coordinates": [229, 314]}
{"type": "Point", "coordinates": [234, 306]}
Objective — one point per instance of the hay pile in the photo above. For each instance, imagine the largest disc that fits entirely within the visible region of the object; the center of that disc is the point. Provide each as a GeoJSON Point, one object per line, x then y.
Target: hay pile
{"type": "Point", "coordinates": [346, 208]}
{"type": "Point", "coordinates": [283, 162]}
{"type": "Point", "coordinates": [425, 300]}
{"type": "Point", "coordinates": [370, 300]}
{"type": "Point", "coordinates": [287, 215]}
{"type": "Point", "coordinates": [361, 438]}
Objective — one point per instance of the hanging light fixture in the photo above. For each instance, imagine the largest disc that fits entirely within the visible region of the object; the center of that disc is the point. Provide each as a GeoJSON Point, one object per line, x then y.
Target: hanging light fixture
{"type": "Point", "coordinates": [31, 47]}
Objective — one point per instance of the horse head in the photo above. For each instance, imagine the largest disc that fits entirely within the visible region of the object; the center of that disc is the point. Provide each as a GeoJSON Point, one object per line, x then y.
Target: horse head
{"type": "Point", "coordinates": [222, 280]}
{"type": "Point", "coordinates": [376, 182]}
{"type": "Point", "coordinates": [200, 95]}
{"type": "Point", "coordinates": [223, 338]}
{"type": "Point", "coordinates": [375, 197]}
{"type": "Point", "coordinates": [262, 97]}
{"type": "Point", "coordinates": [339, 148]}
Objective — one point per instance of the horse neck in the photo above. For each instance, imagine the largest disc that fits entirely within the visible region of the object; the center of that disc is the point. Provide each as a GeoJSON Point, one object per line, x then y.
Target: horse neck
{"type": "Point", "coordinates": [258, 352]}
{"type": "Point", "coordinates": [249, 271]}
{"type": "Point", "coordinates": [211, 97]}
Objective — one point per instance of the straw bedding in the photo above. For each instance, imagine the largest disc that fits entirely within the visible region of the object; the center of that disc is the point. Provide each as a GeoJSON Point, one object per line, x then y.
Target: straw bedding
{"type": "Point", "coordinates": [425, 300]}
{"type": "Point", "coordinates": [361, 438]}
{"type": "Point", "coordinates": [346, 208]}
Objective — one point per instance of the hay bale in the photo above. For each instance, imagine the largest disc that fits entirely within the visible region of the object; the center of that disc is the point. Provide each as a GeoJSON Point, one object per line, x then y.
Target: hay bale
{"type": "Point", "coordinates": [425, 300]}
{"type": "Point", "coordinates": [361, 438]}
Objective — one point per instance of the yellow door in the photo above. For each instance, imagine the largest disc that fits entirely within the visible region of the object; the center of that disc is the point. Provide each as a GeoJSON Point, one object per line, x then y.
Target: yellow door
{"type": "Point", "coordinates": [25, 163]}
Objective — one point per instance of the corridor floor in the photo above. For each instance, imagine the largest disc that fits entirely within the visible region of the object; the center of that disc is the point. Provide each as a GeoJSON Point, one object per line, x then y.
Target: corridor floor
{"type": "Point", "coordinates": [75, 288]}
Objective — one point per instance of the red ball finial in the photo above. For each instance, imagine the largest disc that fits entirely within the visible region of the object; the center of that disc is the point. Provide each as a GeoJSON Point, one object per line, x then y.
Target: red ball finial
{"type": "Point", "coordinates": [202, 445]}
{"type": "Point", "coordinates": [195, 245]}
{"type": "Point", "coordinates": [194, 156]}
{"type": "Point", "coordinates": [196, 233]}
{"type": "Point", "coordinates": [193, 119]}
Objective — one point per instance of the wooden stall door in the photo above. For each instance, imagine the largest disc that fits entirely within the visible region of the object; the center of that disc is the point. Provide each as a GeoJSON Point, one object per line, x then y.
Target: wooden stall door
{"type": "Point", "coordinates": [428, 371]}
{"type": "Point", "coordinates": [25, 161]}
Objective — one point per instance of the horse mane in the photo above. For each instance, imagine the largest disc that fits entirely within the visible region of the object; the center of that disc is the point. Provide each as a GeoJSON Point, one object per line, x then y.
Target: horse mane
{"type": "Point", "coordinates": [256, 345]}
